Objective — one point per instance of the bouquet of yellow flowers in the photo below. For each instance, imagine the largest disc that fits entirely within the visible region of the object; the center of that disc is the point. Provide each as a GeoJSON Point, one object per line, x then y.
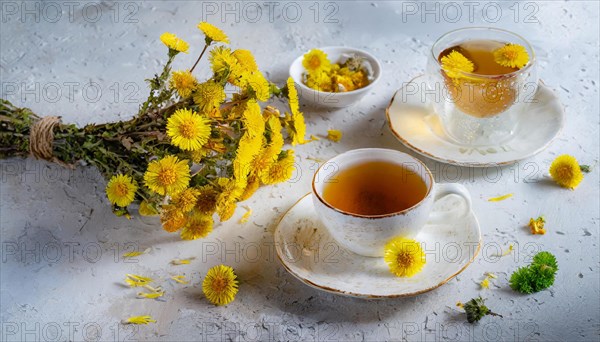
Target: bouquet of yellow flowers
{"type": "Point", "coordinates": [190, 152]}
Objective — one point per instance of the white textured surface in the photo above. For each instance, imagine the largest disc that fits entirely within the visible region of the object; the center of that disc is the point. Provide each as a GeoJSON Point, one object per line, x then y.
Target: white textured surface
{"type": "Point", "coordinates": [64, 215]}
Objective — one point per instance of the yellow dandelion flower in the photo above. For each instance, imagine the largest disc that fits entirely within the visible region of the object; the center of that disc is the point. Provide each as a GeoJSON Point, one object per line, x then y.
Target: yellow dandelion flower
{"type": "Point", "coordinates": [206, 201]}
{"type": "Point", "coordinates": [185, 200]}
{"type": "Point", "coordinates": [500, 198]}
{"type": "Point", "coordinates": [281, 170]}
{"type": "Point", "coordinates": [168, 175]}
{"type": "Point", "coordinates": [259, 85]}
{"type": "Point", "coordinates": [213, 33]}
{"type": "Point", "coordinates": [135, 280]}
{"type": "Point", "coordinates": [245, 59]}
{"type": "Point", "coordinates": [454, 64]}
{"type": "Point", "coordinates": [315, 60]}
{"type": "Point", "coordinates": [198, 226]}
{"type": "Point", "coordinates": [320, 81]}
{"type": "Point", "coordinates": [174, 43]}
{"type": "Point", "coordinates": [512, 56]}
{"type": "Point", "coordinates": [180, 279]}
{"type": "Point", "coordinates": [485, 283]}
{"type": "Point", "coordinates": [248, 149]}
{"type": "Point", "coordinates": [251, 187]}
{"type": "Point", "coordinates": [226, 201]}
{"type": "Point", "coordinates": [139, 320]}
{"type": "Point", "coordinates": [566, 172]}
{"type": "Point", "coordinates": [172, 219]}
{"type": "Point", "coordinates": [222, 60]}
{"type": "Point", "coordinates": [334, 135]}
{"type": "Point", "coordinates": [296, 126]}
{"type": "Point", "coordinates": [147, 209]}
{"type": "Point", "coordinates": [225, 210]}
{"type": "Point", "coordinates": [252, 119]}
{"type": "Point", "coordinates": [293, 96]}
{"type": "Point", "coordinates": [121, 189]}
{"type": "Point", "coordinates": [220, 285]}
{"type": "Point", "coordinates": [209, 96]}
{"type": "Point", "coordinates": [404, 257]}
{"type": "Point", "coordinates": [537, 225]}
{"type": "Point", "coordinates": [184, 82]}
{"type": "Point", "coordinates": [188, 130]}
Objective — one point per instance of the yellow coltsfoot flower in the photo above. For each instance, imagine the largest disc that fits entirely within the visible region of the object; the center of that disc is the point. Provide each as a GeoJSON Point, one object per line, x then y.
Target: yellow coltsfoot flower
{"type": "Point", "coordinates": [512, 56]}
{"type": "Point", "coordinates": [404, 257]}
{"type": "Point", "coordinates": [188, 130]}
{"type": "Point", "coordinates": [121, 190]}
{"type": "Point", "coordinates": [566, 172]}
{"type": "Point", "coordinates": [315, 60]}
{"type": "Point", "coordinates": [213, 33]}
{"type": "Point", "coordinates": [184, 82]}
{"type": "Point", "coordinates": [174, 43]}
{"type": "Point", "coordinates": [198, 226]}
{"type": "Point", "coordinates": [209, 95]}
{"type": "Point", "coordinates": [455, 63]}
{"type": "Point", "coordinates": [168, 175]}
{"type": "Point", "coordinates": [220, 285]}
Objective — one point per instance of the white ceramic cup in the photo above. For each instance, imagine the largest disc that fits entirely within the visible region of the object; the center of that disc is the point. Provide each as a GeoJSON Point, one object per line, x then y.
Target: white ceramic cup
{"type": "Point", "coordinates": [367, 234]}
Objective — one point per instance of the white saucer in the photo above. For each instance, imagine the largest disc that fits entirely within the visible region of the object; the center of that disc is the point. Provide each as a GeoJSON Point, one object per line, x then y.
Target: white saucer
{"type": "Point", "coordinates": [308, 252]}
{"type": "Point", "coordinates": [416, 125]}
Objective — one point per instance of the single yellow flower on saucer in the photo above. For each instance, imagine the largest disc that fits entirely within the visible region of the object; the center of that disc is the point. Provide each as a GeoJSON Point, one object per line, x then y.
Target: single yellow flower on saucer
{"type": "Point", "coordinates": [454, 64]}
{"type": "Point", "coordinates": [220, 285]}
{"type": "Point", "coordinates": [213, 33]}
{"type": "Point", "coordinates": [168, 175]}
{"type": "Point", "coordinates": [566, 172]}
{"type": "Point", "coordinates": [174, 43]}
{"type": "Point", "coordinates": [188, 130]}
{"type": "Point", "coordinates": [512, 56]}
{"type": "Point", "coordinates": [121, 190]}
{"type": "Point", "coordinates": [404, 257]}
{"type": "Point", "coordinates": [315, 60]}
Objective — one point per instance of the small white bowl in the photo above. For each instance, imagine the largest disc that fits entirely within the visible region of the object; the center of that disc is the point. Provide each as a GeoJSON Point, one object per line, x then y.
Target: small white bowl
{"type": "Point", "coordinates": [335, 100]}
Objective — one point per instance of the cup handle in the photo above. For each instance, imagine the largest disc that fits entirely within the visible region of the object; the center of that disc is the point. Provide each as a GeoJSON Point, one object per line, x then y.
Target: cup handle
{"type": "Point", "coordinates": [443, 190]}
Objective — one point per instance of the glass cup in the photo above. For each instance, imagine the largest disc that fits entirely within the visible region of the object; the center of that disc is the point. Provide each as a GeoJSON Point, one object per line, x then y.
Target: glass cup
{"type": "Point", "coordinates": [481, 110]}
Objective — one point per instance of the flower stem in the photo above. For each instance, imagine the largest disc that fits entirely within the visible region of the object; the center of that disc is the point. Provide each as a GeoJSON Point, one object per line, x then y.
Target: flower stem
{"type": "Point", "coordinates": [199, 57]}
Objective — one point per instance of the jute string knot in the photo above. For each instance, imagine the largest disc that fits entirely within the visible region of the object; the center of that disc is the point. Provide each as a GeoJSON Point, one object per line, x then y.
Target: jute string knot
{"type": "Point", "coordinates": [41, 139]}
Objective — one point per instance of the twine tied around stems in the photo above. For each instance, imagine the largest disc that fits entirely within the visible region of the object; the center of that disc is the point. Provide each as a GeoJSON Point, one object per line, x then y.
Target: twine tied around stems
{"type": "Point", "coordinates": [41, 140]}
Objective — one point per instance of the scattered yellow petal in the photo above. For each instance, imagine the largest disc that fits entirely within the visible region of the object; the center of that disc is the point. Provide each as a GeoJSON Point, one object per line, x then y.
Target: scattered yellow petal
{"type": "Point", "coordinates": [151, 295]}
{"type": "Point", "coordinates": [537, 225]}
{"type": "Point", "coordinates": [135, 253]}
{"type": "Point", "coordinates": [180, 279]}
{"type": "Point", "coordinates": [135, 280]}
{"type": "Point", "coordinates": [460, 305]}
{"type": "Point", "coordinates": [500, 198]}
{"type": "Point", "coordinates": [509, 250]}
{"type": "Point", "coordinates": [491, 275]}
{"type": "Point", "coordinates": [485, 283]}
{"type": "Point", "coordinates": [247, 214]}
{"type": "Point", "coordinates": [312, 137]}
{"type": "Point", "coordinates": [318, 160]}
{"type": "Point", "coordinates": [182, 261]}
{"type": "Point", "coordinates": [139, 320]}
{"type": "Point", "coordinates": [334, 135]}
